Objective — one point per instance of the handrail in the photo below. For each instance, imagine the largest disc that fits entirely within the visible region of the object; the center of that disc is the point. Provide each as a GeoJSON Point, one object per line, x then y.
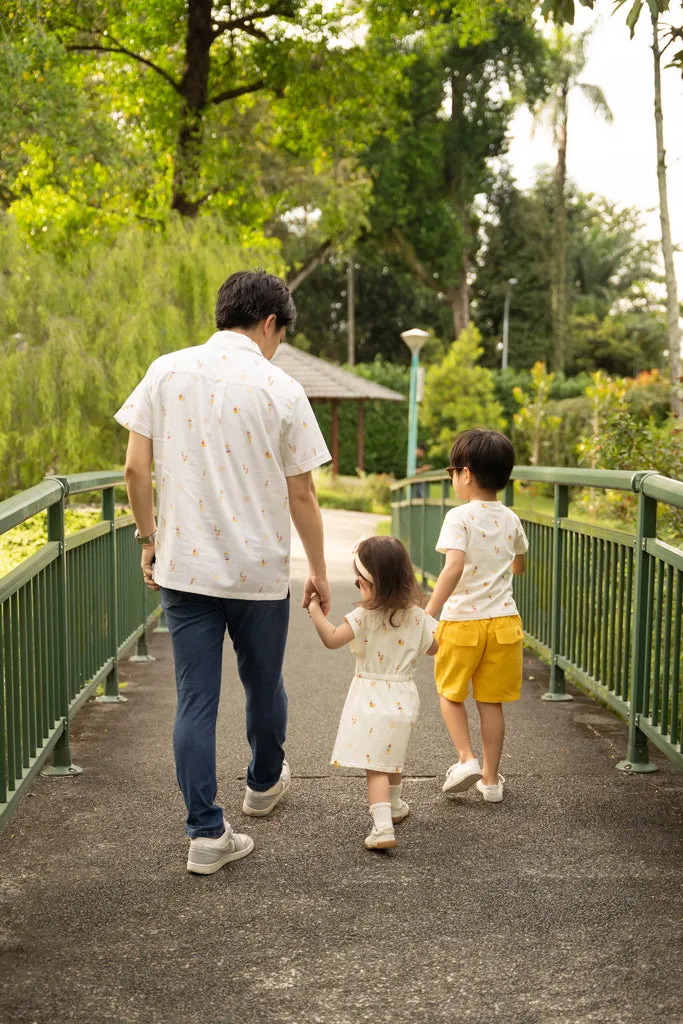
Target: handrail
{"type": "Point", "coordinates": [603, 606]}
{"type": "Point", "coordinates": [20, 507]}
{"type": "Point", "coordinates": [81, 483]}
{"type": "Point", "coordinates": [66, 615]}
{"type": "Point", "coordinates": [610, 479]}
{"type": "Point", "coordinates": [663, 488]}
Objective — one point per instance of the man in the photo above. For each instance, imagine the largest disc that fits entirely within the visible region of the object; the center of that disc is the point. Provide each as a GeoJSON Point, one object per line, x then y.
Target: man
{"type": "Point", "coordinates": [234, 441]}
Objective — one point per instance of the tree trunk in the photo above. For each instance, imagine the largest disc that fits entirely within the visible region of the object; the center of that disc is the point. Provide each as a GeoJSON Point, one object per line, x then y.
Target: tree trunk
{"type": "Point", "coordinates": [194, 89]}
{"type": "Point", "coordinates": [459, 300]}
{"type": "Point", "coordinates": [559, 284]}
{"type": "Point", "coordinates": [672, 307]}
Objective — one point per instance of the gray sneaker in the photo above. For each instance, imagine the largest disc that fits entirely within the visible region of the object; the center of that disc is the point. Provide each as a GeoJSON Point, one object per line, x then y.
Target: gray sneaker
{"type": "Point", "coordinates": [209, 855]}
{"type": "Point", "coordinates": [260, 804]}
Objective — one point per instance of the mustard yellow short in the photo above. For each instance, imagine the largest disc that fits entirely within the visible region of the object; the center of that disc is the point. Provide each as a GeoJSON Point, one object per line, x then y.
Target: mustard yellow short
{"type": "Point", "coordinates": [488, 652]}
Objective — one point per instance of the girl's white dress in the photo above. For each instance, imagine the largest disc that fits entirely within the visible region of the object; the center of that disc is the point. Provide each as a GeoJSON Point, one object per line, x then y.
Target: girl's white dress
{"type": "Point", "coordinates": [383, 703]}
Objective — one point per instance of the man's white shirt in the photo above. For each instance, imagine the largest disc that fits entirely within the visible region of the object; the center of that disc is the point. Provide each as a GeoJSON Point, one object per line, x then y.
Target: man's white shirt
{"type": "Point", "coordinates": [228, 428]}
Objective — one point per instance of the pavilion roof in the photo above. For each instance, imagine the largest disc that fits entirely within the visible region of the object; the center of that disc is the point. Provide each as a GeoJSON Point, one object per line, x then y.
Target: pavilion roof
{"type": "Point", "coordinates": [322, 380]}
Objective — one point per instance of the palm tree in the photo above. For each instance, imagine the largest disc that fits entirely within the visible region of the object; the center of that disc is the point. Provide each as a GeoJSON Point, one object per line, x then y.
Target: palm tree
{"type": "Point", "coordinates": [567, 58]}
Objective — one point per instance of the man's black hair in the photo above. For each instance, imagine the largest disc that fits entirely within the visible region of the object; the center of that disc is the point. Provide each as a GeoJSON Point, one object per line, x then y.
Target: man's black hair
{"type": "Point", "coordinates": [487, 454]}
{"type": "Point", "coordinates": [249, 297]}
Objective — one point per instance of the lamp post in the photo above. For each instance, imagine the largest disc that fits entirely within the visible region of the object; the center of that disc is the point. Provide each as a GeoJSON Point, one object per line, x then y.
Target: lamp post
{"type": "Point", "coordinates": [506, 321]}
{"type": "Point", "coordinates": [415, 340]}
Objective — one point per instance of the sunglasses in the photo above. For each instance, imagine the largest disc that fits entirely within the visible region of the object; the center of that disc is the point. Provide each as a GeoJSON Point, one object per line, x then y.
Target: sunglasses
{"type": "Point", "coordinates": [454, 469]}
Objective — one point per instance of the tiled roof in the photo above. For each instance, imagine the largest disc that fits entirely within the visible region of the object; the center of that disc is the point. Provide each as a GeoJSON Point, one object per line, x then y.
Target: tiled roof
{"type": "Point", "coordinates": [323, 380]}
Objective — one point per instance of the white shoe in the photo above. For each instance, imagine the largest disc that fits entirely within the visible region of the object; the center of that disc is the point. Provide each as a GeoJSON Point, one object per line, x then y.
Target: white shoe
{"type": "Point", "coordinates": [380, 839]}
{"type": "Point", "coordinates": [401, 812]}
{"type": "Point", "coordinates": [461, 776]}
{"type": "Point", "coordinates": [209, 855]}
{"type": "Point", "coordinates": [493, 794]}
{"type": "Point", "coordinates": [259, 804]}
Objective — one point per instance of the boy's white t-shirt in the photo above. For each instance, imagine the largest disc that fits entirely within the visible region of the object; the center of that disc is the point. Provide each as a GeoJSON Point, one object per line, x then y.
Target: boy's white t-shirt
{"type": "Point", "coordinates": [491, 535]}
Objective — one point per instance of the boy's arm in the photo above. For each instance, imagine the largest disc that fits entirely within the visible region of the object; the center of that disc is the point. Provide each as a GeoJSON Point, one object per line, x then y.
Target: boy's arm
{"type": "Point", "coordinates": [333, 637]}
{"type": "Point", "coordinates": [519, 565]}
{"type": "Point", "coordinates": [447, 581]}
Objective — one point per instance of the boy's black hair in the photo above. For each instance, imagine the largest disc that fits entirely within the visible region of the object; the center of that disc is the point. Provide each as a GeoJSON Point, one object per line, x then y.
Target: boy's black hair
{"type": "Point", "coordinates": [487, 454]}
{"type": "Point", "coordinates": [249, 297]}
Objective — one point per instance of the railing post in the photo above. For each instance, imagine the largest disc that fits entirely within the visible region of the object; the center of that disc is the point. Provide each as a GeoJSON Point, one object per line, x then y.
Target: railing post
{"type": "Point", "coordinates": [556, 689]}
{"type": "Point", "coordinates": [111, 693]}
{"type": "Point", "coordinates": [56, 531]}
{"type": "Point", "coordinates": [637, 759]}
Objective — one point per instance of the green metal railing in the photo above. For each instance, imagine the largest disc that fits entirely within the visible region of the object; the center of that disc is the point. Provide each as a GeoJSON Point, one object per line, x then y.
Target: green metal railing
{"type": "Point", "coordinates": [602, 606]}
{"type": "Point", "coordinates": [66, 614]}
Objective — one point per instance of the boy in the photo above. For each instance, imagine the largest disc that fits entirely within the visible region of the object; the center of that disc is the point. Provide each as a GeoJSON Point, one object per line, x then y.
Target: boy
{"type": "Point", "coordinates": [480, 633]}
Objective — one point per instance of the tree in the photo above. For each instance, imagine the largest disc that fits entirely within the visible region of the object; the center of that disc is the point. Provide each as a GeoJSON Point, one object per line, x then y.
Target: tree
{"type": "Point", "coordinates": [615, 317]}
{"type": "Point", "coordinates": [567, 59]}
{"type": "Point", "coordinates": [459, 394]}
{"type": "Point", "coordinates": [673, 307]}
{"type": "Point", "coordinates": [455, 110]}
{"type": "Point", "coordinates": [533, 421]}
{"type": "Point", "coordinates": [388, 300]}
{"type": "Point", "coordinates": [251, 110]}
{"type": "Point", "coordinates": [517, 244]}
{"type": "Point", "coordinates": [563, 11]}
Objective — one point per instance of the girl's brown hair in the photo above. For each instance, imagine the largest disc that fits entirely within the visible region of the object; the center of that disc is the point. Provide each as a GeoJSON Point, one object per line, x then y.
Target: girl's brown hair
{"type": "Point", "coordinates": [395, 588]}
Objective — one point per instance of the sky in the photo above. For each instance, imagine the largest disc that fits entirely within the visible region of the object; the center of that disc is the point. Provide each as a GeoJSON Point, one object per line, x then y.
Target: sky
{"type": "Point", "coordinates": [617, 161]}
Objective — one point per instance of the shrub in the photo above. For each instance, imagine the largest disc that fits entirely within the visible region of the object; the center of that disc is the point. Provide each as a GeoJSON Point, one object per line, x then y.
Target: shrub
{"type": "Point", "coordinates": [386, 424]}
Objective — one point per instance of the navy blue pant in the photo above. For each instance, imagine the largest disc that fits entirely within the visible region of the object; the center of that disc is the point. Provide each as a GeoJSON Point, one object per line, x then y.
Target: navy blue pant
{"type": "Point", "coordinates": [258, 630]}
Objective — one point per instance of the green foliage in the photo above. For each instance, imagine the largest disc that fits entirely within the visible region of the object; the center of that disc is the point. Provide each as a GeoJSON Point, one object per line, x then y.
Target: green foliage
{"type": "Point", "coordinates": [386, 424]}
{"type": "Point", "coordinates": [75, 337]}
{"type": "Point", "coordinates": [617, 322]}
{"type": "Point", "coordinates": [24, 540]}
{"type": "Point", "coordinates": [534, 423]}
{"type": "Point", "coordinates": [389, 300]}
{"type": "Point", "coordinates": [619, 439]}
{"type": "Point", "coordinates": [356, 494]}
{"type": "Point", "coordinates": [459, 394]}
{"type": "Point", "coordinates": [453, 118]}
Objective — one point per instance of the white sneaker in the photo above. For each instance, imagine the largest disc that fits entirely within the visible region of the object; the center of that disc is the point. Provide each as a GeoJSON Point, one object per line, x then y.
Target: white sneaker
{"type": "Point", "coordinates": [401, 812]}
{"type": "Point", "coordinates": [493, 794]}
{"type": "Point", "coordinates": [380, 839]}
{"type": "Point", "coordinates": [259, 804]}
{"type": "Point", "coordinates": [461, 776]}
{"type": "Point", "coordinates": [209, 855]}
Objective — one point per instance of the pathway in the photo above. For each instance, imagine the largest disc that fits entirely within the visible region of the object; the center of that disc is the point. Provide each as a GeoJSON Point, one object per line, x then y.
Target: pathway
{"type": "Point", "coordinates": [560, 906]}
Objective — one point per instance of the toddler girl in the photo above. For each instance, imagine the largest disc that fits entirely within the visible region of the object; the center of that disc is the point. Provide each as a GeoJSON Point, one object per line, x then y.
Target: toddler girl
{"type": "Point", "coordinates": [387, 632]}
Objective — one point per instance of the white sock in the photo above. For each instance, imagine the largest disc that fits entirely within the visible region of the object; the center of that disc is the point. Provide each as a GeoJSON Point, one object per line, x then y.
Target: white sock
{"type": "Point", "coordinates": [381, 815]}
{"type": "Point", "coordinates": [395, 795]}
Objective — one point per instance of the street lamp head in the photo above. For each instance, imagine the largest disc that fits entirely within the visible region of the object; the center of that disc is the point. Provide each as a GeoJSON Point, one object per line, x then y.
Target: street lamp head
{"type": "Point", "coordinates": [415, 339]}
{"type": "Point", "coordinates": [512, 281]}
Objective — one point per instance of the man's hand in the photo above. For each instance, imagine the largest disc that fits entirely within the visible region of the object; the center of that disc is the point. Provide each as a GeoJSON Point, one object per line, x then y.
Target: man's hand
{"type": "Point", "coordinates": [318, 585]}
{"type": "Point", "coordinates": [147, 565]}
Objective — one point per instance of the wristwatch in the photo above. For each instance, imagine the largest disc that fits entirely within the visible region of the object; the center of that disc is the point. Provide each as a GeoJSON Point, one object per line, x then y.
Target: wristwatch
{"type": "Point", "coordinates": [145, 540]}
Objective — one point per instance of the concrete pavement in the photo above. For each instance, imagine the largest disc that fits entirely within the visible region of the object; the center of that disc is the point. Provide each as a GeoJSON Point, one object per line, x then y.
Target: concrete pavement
{"type": "Point", "coordinates": [560, 906]}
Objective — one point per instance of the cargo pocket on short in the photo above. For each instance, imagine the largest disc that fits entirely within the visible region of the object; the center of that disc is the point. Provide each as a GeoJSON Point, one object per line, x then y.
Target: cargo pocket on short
{"type": "Point", "coordinates": [507, 635]}
{"type": "Point", "coordinates": [465, 636]}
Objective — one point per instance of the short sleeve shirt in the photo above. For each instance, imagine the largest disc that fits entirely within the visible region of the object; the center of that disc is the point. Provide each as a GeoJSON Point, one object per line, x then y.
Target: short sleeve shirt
{"type": "Point", "coordinates": [228, 428]}
{"type": "Point", "coordinates": [385, 649]}
{"type": "Point", "coordinates": [491, 535]}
